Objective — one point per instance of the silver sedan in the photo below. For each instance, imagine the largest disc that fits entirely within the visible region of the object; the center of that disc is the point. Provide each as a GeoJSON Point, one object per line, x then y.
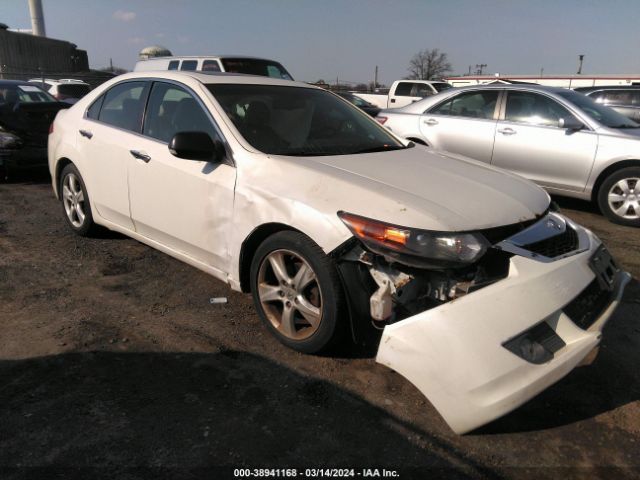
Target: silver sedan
{"type": "Point", "coordinates": [559, 138]}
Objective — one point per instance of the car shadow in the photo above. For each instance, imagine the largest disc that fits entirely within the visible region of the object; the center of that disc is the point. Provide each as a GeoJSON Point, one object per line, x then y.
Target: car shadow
{"type": "Point", "coordinates": [191, 411]}
{"type": "Point", "coordinates": [577, 204]}
{"type": "Point", "coordinates": [31, 176]}
{"type": "Point", "coordinates": [610, 382]}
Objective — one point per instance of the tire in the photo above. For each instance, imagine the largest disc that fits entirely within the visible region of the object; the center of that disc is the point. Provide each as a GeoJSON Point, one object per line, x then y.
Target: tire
{"type": "Point", "coordinates": [75, 201]}
{"type": "Point", "coordinates": [308, 317]}
{"type": "Point", "coordinates": [619, 197]}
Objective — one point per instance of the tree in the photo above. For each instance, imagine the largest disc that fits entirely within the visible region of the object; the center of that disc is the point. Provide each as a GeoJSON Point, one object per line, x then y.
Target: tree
{"type": "Point", "coordinates": [428, 64]}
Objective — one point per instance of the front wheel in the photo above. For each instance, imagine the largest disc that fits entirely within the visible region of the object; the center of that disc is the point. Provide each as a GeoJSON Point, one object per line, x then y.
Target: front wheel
{"type": "Point", "coordinates": [619, 197]}
{"type": "Point", "coordinates": [297, 292]}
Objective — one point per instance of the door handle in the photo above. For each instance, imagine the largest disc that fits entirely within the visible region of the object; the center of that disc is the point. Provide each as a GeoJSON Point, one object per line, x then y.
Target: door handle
{"type": "Point", "coordinates": [507, 131]}
{"type": "Point", "coordinates": [393, 100]}
{"type": "Point", "coordinates": [430, 121]}
{"type": "Point", "coordinates": [86, 133]}
{"type": "Point", "coordinates": [140, 155]}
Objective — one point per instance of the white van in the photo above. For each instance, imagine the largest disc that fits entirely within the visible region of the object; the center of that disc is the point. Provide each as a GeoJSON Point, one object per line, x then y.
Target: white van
{"type": "Point", "coordinates": [216, 63]}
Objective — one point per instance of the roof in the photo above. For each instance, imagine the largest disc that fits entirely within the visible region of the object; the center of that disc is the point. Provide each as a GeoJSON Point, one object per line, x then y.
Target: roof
{"type": "Point", "coordinates": [510, 86]}
{"type": "Point", "coordinates": [214, 77]}
{"type": "Point", "coordinates": [607, 87]}
{"type": "Point", "coordinates": [8, 83]}
{"type": "Point", "coordinates": [548, 77]}
{"type": "Point", "coordinates": [204, 57]}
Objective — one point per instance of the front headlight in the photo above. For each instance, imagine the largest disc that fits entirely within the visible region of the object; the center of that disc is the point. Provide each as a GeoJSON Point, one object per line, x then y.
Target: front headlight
{"type": "Point", "coordinates": [419, 248]}
{"type": "Point", "coordinates": [9, 140]}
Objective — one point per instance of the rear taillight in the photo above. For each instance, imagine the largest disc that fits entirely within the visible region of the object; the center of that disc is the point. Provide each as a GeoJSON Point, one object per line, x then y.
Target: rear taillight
{"type": "Point", "coordinates": [51, 128]}
{"type": "Point", "coordinates": [381, 120]}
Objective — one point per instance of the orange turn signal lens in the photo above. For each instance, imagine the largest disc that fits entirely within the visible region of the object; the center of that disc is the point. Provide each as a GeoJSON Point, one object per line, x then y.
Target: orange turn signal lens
{"type": "Point", "coordinates": [366, 228]}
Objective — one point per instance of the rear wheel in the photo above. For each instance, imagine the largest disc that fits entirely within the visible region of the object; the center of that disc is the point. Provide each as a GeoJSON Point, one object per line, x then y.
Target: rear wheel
{"type": "Point", "coordinates": [619, 197]}
{"type": "Point", "coordinates": [297, 292]}
{"type": "Point", "coordinates": [75, 201]}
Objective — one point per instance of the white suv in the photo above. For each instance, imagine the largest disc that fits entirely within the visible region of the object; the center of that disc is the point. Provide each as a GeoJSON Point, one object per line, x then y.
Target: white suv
{"type": "Point", "coordinates": [66, 90]}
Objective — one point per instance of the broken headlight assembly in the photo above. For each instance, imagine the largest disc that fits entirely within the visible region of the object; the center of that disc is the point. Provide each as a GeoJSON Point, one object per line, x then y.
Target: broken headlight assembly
{"type": "Point", "coordinates": [417, 248]}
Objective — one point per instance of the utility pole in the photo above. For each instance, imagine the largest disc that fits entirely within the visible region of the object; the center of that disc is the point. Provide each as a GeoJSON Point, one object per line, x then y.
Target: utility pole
{"type": "Point", "coordinates": [480, 67]}
{"type": "Point", "coordinates": [375, 79]}
{"type": "Point", "coordinates": [580, 59]}
{"type": "Point", "coordinates": [111, 64]}
{"type": "Point", "coordinates": [541, 71]}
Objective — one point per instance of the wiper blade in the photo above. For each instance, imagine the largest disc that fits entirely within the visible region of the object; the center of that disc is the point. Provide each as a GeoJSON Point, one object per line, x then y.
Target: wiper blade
{"type": "Point", "coordinates": [625, 125]}
{"type": "Point", "coordinates": [380, 148]}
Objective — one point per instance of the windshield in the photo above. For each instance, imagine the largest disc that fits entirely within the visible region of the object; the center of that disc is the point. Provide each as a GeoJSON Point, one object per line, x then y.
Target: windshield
{"type": "Point", "coordinates": [440, 86]}
{"type": "Point", "coordinates": [299, 121]}
{"type": "Point", "coordinates": [604, 115]}
{"type": "Point", "coordinates": [253, 66]}
{"type": "Point", "coordinates": [11, 94]}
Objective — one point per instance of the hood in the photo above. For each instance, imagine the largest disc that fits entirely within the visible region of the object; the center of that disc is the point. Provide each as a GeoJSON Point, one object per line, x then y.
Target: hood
{"type": "Point", "coordinates": [421, 188]}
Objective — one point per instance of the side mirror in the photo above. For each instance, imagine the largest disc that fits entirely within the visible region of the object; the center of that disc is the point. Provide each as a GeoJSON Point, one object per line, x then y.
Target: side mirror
{"type": "Point", "coordinates": [570, 123]}
{"type": "Point", "coordinates": [196, 146]}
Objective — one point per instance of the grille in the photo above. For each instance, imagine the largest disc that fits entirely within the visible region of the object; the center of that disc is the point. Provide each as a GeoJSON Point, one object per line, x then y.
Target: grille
{"type": "Point", "coordinates": [498, 234]}
{"type": "Point", "coordinates": [555, 246]}
{"type": "Point", "coordinates": [589, 305]}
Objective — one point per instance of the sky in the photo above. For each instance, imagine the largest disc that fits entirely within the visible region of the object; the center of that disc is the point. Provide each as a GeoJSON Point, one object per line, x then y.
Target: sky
{"type": "Point", "coordinates": [346, 39]}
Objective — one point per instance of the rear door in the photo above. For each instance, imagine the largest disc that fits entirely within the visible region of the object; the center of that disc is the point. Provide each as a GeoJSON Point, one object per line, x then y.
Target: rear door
{"type": "Point", "coordinates": [111, 124]}
{"type": "Point", "coordinates": [530, 143]}
{"type": "Point", "coordinates": [463, 124]}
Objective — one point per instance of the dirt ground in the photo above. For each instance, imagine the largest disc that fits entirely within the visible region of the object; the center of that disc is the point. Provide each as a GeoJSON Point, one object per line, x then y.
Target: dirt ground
{"type": "Point", "coordinates": [114, 364]}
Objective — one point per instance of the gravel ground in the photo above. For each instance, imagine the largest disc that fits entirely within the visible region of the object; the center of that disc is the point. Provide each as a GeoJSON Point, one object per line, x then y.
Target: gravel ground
{"type": "Point", "coordinates": [113, 363]}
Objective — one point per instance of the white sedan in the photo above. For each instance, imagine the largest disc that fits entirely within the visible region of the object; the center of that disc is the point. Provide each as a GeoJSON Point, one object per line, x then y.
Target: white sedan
{"type": "Point", "coordinates": [338, 228]}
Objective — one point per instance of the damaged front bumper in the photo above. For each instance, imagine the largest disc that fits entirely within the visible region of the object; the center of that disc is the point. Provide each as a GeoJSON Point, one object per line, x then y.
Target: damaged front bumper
{"type": "Point", "coordinates": [461, 354]}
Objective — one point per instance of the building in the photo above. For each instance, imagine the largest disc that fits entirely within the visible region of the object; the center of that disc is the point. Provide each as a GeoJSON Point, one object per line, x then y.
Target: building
{"type": "Point", "coordinates": [24, 56]}
{"type": "Point", "coordinates": [566, 81]}
{"type": "Point", "coordinates": [23, 53]}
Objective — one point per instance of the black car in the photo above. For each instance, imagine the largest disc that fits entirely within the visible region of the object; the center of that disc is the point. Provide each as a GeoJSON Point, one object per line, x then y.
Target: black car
{"type": "Point", "coordinates": [370, 108]}
{"type": "Point", "coordinates": [624, 99]}
{"type": "Point", "coordinates": [26, 113]}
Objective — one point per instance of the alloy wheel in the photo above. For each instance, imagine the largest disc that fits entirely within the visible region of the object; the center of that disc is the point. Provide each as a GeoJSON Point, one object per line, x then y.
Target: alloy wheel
{"type": "Point", "coordinates": [73, 200]}
{"type": "Point", "coordinates": [290, 294]}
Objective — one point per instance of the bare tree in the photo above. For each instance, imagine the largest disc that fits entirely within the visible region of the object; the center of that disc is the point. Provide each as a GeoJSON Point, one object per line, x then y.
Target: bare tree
{"type": "Point", "coordinates": [428, 64]}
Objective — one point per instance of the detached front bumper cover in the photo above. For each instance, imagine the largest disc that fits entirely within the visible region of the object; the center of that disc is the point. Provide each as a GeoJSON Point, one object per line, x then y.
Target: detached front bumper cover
{"type": "Point", "coordinates": [457, 356]}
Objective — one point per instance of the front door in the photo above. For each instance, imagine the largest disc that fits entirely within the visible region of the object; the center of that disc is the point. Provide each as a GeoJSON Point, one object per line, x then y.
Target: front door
{"type": "Point", "coordinates": [185, 205]}
{"type": "Point", "coordinates": [530, 143]}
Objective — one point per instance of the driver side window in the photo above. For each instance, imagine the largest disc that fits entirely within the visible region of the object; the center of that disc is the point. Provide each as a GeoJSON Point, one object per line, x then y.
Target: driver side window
{"type": "Point", "coordinates": [171, 110]}
{"type": "Point", "coordinates": [534, 109]}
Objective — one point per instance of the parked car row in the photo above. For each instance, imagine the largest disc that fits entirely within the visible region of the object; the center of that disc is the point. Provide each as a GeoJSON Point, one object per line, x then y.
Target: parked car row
{"type": "Point", "coordinates": [560, 139]}
{"type": "Point", "coordinates": [340, 227]}
{"type": "Point", "coordinates": [26, 113]}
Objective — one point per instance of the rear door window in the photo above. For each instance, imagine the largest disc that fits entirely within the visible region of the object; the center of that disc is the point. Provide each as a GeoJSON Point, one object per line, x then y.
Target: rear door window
{"type": "Point", "coordinates": [471, 105]}
{"type": "Point", "coordinates": [173, 64]}
{"type": "Point", "coordinates": [123, 106]}
{"type": "Point", "coordinates": [421, 90]}
{"type": "Point", "coordinates": [403, 89]}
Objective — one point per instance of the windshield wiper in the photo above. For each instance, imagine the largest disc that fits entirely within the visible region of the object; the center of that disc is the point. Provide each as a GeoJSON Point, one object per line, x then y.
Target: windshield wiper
{"type": "Point", "coordinates": [625, 125]}
{"type": "Point", "coordinates": [381, 148]}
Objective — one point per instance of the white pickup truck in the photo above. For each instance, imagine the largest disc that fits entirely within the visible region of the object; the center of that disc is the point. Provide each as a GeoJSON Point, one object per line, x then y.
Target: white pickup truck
{"type": "Point", "coordinates": [404, 92]}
